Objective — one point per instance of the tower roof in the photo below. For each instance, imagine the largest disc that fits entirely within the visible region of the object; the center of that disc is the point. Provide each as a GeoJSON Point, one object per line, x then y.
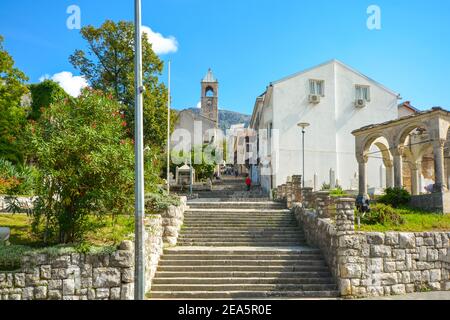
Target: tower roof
{"type": "Point", "coordinates": [209, 77]}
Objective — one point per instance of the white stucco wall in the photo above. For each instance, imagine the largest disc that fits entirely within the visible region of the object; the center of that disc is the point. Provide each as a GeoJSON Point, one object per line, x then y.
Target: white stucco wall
{"type": "Point", "coordinates": [329, 143]}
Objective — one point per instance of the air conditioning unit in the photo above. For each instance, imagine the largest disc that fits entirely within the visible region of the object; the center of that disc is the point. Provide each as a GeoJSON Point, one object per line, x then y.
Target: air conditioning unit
{"type": "Point", "coordinates": [360, 103]}
{"type": "Point", "coordinates": [314, 98]}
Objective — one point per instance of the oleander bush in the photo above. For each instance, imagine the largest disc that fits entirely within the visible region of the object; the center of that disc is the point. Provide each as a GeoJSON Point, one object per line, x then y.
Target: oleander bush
{"type": "Point", "coordinates": [86, 165]}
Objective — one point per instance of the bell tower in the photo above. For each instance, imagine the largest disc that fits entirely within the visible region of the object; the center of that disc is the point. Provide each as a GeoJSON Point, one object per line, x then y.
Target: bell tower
{"type": "Point", "coordinates": [210, 97]}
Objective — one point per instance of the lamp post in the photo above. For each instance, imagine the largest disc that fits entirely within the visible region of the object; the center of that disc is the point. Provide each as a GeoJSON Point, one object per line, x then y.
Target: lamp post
{"type": "Point", "coordinates": [303, 125]}
{"type": "Point", "coordinates": [139, 287]}
{"type": "Point", "coordinates": [168, 131]}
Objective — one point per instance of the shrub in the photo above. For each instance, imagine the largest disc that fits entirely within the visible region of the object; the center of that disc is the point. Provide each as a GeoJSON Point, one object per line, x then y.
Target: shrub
{"type": "Point", "coordinates": [395, 197]}
{"type": "Point", "coordinates": [325, 187]}
{"type": "Point", "coordinates": [338, 192]}
{"type": "Point", "coordinates": [382, 214]}
{"type": "Point", "coordinates": [86, 165]}
{"type": "Point", "coordinates": [16, 180]}
{"type": "Point", "coordinates": [159, 201]}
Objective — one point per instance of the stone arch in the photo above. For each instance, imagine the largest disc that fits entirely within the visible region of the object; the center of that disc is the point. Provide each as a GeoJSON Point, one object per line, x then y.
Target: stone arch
{"type": "Point", "coordinates": [210, 92]}
{"type": "Point", "coordinates": [379, 140]}
{"type": "Point", "coordinates": [404, 131]}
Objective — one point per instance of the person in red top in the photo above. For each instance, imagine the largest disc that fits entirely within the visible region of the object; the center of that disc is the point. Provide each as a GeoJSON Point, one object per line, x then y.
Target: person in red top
{"type": "Point", "coordinates": [248, 182]}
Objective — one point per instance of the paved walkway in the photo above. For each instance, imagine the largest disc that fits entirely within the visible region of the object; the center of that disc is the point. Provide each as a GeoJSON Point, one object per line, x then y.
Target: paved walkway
{"type": "Point", "coordinates": [438, 295]}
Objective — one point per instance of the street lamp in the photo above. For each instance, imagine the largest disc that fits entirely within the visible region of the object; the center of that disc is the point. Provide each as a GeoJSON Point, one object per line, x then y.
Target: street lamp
{"type": "Point", "coordinates": [303, 125]}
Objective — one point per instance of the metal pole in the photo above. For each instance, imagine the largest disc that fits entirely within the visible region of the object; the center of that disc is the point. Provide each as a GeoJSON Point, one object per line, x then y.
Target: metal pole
{"type": "Point", "coordinates": [139, 277]}
{"type": "Point", "coordinates": [168, 133]}
{"type": "Point", "coordinates": [303, 138]}
{"type": "Point", "coordinates": [190, 177]}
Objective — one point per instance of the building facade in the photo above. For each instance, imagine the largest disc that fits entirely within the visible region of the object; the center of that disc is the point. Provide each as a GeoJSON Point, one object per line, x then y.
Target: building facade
{"type": "Point", "coordinates": [193, 129]}
{"type": "Point", "coordinates": [335, 100]}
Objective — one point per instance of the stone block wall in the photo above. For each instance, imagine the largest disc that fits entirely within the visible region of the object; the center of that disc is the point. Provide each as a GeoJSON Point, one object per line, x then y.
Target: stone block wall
{"type": "Point", "coordinates": [319, 233]}
{"type": "Point", "coordinates": [439, 202]}
{"type": "Point", "coordinates": [172, 220]}
{"type": "Point", "coordinates": [76, 276]}
{"type": "Point", "coordinates": [368, 264]}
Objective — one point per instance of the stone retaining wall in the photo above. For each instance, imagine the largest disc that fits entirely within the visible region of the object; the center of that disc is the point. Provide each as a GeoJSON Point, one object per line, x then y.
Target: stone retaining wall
{"type": "Point", "coordinates": [377, 264]}
{"type": "Point", "coordinates": [172, 220]}
{"type": "Point", "coordinates": [107, 276]}
{"type": "Point", "coordinates": [75, 276]}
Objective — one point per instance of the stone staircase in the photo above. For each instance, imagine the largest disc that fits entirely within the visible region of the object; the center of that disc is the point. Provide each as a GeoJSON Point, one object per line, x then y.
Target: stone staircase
{"type": "Point", "coordinates": [241, 249]}
{"type": "Point", "coordinates": [233, 188]}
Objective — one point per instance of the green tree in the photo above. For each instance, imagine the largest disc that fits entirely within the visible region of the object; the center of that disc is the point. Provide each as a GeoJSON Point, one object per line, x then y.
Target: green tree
{"type": "Point", "coordinates": [203, 158]}
{"type": "Point", "coordinates": [12, 114]}
{"type": "Point", "coordinates": [85, 162]}
{"type": "Point", "coordinates": [43, 95]}
{"type": "Point", "coordinates": [108, 64]}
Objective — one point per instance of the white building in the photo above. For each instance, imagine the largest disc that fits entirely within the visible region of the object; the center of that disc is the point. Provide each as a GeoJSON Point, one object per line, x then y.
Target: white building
{"type": "Point", "coordinates": [335, 100]}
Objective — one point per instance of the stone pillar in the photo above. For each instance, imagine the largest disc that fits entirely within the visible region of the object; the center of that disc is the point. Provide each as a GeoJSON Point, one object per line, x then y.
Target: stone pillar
{"type": "Point", "coordinates": [382, 177]}
{"type": "Point", "coordinates": [362, 164]}
{"type": "Point", "coordinates": [297, 188]}
{"type": "Point", "coordinates": [307, 197]}
{"type": "Point", "coordinates": [398, 166]}
{"type": "Point", "coordinates": [389, 174]}
{"type": "Point", "coordinates": [345, 215]}
{"type": "Point", "coordinates": [289, 193]}
{"type": "Point", "coordinates": [447, 169]}
{"type": "Point", "coordinates": [316, 182]}
{"type": "Point", "coordinates": [349, 265]}
{"type": "Point", "coordinates": [438, 151]}
{"type": "Point", "coordinates": [415, 178]}
{"type": "Point", "coordinates": [332, 179]}
{"type": "Point", "coordinates": [323, 201]}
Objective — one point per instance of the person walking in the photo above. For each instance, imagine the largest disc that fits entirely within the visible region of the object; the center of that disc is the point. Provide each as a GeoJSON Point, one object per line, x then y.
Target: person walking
{"type": "Point", "coordinates": [248, 182]}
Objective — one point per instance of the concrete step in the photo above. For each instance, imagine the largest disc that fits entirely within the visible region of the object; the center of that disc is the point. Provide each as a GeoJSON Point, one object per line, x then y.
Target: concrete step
{"type": "Point", "coordinates": [287, 222]}
{"type": "Point", "coordinates": [239, 244]}
{"type": "Point", "coordinates": [212, 256]}
{"type": "Point", "coordinates": [228, 281]}
{"type": "Point", "coordinates": [275, 237]}
{"type": "Point", "coordinates": [242, 231]}
{"type": "Point", "coordinates": [241, 251]}
{"type": "Point", "coordinates": [244, 287]}
{"type": "Point", "coordinates": [224, 217]}
{"type": "Point", "coordinates": [212, 229]}
{"type": "Point", "coordinates": [269, 236]}
{"type": "Point", "coordinates": [241, 294]}
{"type": "Point", "coordinates": [250, 263]}
{"type": "Point", "coordinates": [236, 205]}
{"type": "Point", "coordinates": [241, 226]}
{"type": "Point", "coordinates": [284, 221]}
{"type": "Point", "coordinates": [231, 211]}
{"type": "Point", "coordinates": [244, 274]}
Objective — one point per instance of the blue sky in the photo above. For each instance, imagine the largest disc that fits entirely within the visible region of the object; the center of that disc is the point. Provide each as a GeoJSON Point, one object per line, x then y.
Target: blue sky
{"type": "Point", "coordinates": [249, 43]}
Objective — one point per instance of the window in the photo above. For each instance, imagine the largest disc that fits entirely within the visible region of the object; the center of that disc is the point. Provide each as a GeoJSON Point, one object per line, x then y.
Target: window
{"type": "Point", "coordinates": [363, 93]}
{"type": "Point", "coordinates": [316, 87]}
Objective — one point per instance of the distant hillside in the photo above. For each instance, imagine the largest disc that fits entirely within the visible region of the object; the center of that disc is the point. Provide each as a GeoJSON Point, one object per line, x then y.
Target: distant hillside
{"type": "Point", "coordinates": [228, 118]}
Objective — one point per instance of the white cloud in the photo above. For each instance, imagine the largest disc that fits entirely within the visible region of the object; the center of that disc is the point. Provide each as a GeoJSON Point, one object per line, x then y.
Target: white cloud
{"type": "Point", "coordinates": [160, 44]}
{"type": "Point", "coordinates": [70, 83]}
{"type": "Point", "coordinates": [199, 105]}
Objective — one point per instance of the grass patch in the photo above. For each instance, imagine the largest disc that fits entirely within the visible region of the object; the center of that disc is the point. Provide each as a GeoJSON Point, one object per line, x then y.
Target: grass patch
{"type": "Point", "coordinates": [102, 231]}
{"type": "Point", "coordinates": [103, 236]}
{"type": "Point", "coordinates": [415, 221]}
